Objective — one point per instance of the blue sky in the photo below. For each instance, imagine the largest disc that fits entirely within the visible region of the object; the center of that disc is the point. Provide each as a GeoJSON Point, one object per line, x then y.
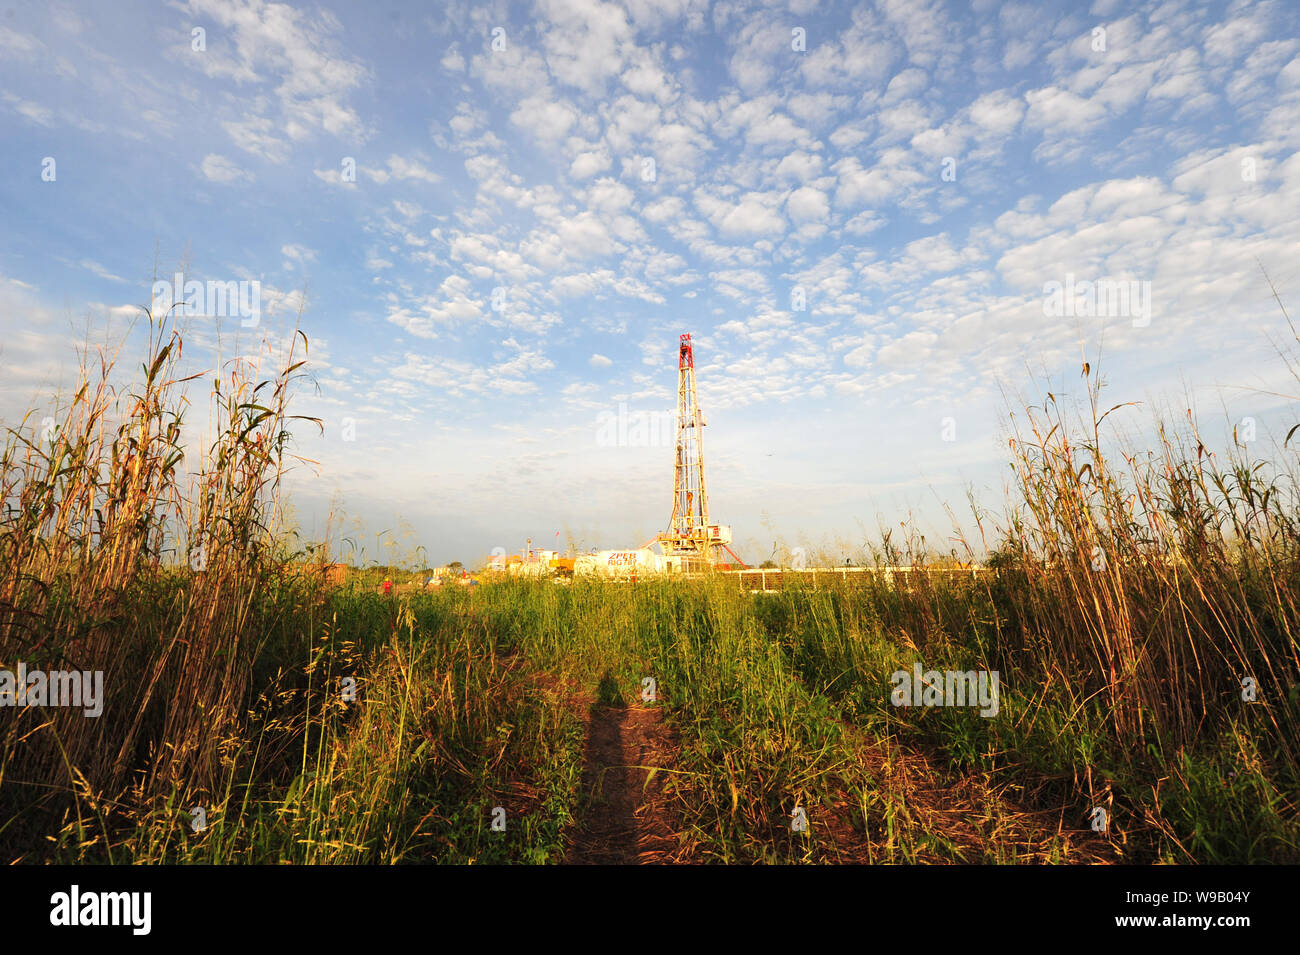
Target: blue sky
{"type": "Point", "coordinates": [618, 174]}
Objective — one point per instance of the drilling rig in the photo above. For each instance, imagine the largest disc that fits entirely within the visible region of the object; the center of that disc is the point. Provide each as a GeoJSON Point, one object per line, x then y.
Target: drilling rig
{"type": "Point", "coordinates": [691, 541]}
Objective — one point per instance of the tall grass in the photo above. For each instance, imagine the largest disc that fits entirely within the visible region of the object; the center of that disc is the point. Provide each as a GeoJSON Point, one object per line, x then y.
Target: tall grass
{"type": "Point", "coordinates": [1133, 600]}
{"type": "Point", "coordinates": [111, 559]}
{"type": "Point", "coordinates": [1161, 582]}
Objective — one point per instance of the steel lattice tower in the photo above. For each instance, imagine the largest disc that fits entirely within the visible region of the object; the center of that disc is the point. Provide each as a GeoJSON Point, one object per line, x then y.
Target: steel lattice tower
{"type": "Point", "coordinates": [688, 528]}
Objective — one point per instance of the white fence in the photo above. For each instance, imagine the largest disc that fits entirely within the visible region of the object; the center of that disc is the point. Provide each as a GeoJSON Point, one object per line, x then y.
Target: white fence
{"type": "Point", "coordinates": [759, 580]}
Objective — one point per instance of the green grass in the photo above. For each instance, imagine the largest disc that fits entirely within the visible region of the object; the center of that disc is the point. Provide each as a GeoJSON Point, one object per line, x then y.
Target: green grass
{"type": "Point", "coordinates": [1121, 679]}
{"type": "Point", "coordinates": [470, 700]}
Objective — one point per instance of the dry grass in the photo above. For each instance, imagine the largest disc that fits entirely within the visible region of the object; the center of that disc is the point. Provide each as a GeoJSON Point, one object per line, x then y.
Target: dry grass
{"type": "Point", "coordinates": [113, 559]}
{"type": "Point", "coordinates": [1128, 596]}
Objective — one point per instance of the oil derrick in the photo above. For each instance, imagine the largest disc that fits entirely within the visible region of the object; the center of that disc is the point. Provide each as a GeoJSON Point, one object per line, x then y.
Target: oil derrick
{"type": "Point", "coordinates": [690, 537]}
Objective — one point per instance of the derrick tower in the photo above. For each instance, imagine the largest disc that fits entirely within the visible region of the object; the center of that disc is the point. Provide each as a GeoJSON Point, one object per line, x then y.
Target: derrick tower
{"type": "Point", "coordinates": [688, 527]}
{"type": "Point", "coordinates": [691, 537]}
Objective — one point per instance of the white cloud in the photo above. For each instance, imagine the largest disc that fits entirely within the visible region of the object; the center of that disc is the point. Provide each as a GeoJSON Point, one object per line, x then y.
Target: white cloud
{"type": "Point", "coordinates": [92, 266]}
{"type": "Point", "coordinates": [273, 43]}
{"type": "Point", "coordinates": [808, 205]}
{"type": "Point", "coordinates": [586, 42]}
{"type": "Point", "coordinates": [546, 119]}
{"type": "Point", "coordinates": [587, 164]}
{"type": "Point", "coordinates": [520, 171]}
{"type": "Point", "coordinates": [892, 178]}
{"type": "Point", "coordinates": [1059, 110]}
{"type": "Point", "coordinates": [754, 215]}
{"type": "Point", "coordinates": [33, 111]}
{"type": "Point", "coordinates": [259, 136]}
{"type": "Point", "coordinates": [19, 45]}
{"type": "Point", "coordinates": [220, 169]}
{"type": "Point", "coordinates": [997, 113]}
{"type": "Point", "coordinates": [334, 177]}
{"type": "Point", "coordinates": [453, 61]}
{"type": "Point", "coordinates": [399, 167]}
{"type": "Point", "coordinates": [297, 254]}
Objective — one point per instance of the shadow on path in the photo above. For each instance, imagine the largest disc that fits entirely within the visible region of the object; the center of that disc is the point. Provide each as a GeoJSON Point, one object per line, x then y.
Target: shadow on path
{"type": "Point", "coordinates": [622, 820]}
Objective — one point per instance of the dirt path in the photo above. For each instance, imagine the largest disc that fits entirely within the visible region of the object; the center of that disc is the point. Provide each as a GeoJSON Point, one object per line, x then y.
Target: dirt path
{"type": "Point", "coordinates": [624, 820]}
{"type": "Point", "coordinates": [624, 817]}
{"type": "Point", "coordinates": [951, 819]}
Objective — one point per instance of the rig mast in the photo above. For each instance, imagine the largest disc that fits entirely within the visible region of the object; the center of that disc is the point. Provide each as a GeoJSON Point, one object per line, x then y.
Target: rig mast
{"type": "Point", "coordinates": [691, 537]}
{"type": "Point", "coordinates": [688, 527]}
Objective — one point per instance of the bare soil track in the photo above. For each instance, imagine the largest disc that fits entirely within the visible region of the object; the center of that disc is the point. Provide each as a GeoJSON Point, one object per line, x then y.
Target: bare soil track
{"type": "Point", "coordinates": [625, 820]}
{"type": "Point", "coordinates": [976, 820]}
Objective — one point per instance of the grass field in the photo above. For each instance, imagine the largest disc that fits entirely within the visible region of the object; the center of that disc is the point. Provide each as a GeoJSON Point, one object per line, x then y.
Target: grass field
{"type": "Point", "coordinates": [1142, 617]}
